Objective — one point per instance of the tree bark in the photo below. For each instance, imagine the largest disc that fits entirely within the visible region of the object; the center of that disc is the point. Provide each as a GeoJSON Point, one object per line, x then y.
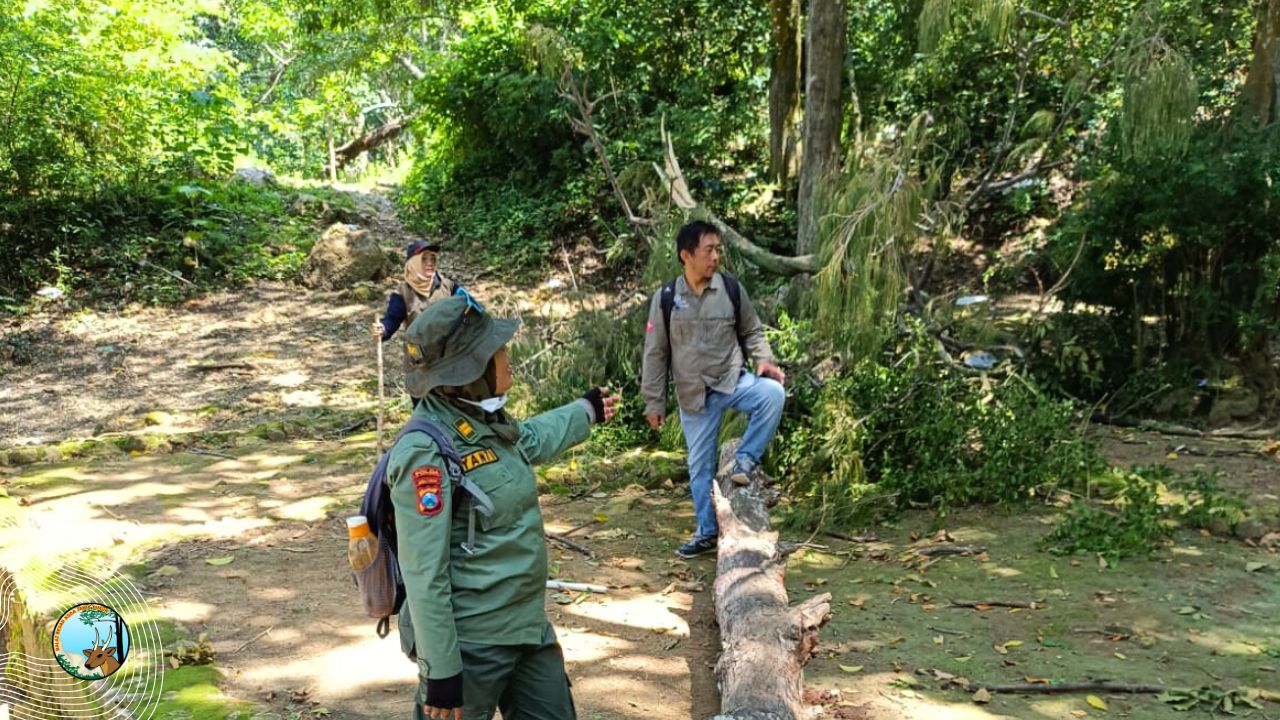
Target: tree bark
{"type": "Point", "coordinates": [678, 191]}
{"type": "Point", "coordinates": [1262, 86]}
{"type": "Point", "coordinates": [765, 641]}
{"type": "Point", "coordinates": [824, 73]}
{"type": "Point", "coordinates": [784, 91]}
{"type": "Point", "coordinates": [381, 135]}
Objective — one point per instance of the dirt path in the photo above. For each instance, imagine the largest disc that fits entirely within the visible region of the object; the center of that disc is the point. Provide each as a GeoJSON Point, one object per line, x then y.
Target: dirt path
{"type": "Point", "coordinates": [277, 512]}
{"type": "Point", "coordinates": [282, 618]}
{"type": "Point", "coordinates": [273, 352]}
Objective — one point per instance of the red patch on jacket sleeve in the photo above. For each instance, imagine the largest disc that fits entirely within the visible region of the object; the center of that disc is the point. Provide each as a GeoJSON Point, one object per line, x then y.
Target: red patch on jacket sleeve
{"type": "Point", "coordinates": [648, 328]}
{"type": "Point", "coordinates": [426, 481]}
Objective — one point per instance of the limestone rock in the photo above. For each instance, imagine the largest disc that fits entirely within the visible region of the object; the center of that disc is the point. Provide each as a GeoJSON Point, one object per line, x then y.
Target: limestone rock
{"type": "Point", "coordinates": [343, 256]}
{"type": "Point", "coordinates": [254, 176]}
{"type": "Point", "coordinates": [1233, 404]}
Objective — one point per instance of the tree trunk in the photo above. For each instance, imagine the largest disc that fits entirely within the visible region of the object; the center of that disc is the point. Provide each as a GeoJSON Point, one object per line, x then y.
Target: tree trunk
{"type": "Point", "coordinates": [1262, 86]}
{"type": "Point", "coordinates": [381, 135]}
{"type": "Point", "coordinates": [765, 641]}
{"type": "Point", "coordinates": [824, 71]}
{"type": "Point", "coordinates": [784, 91]}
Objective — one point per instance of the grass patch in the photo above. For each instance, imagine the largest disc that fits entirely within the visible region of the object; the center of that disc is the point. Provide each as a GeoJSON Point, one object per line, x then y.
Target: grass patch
{"type": "Point", "coordinates": [191, 693]}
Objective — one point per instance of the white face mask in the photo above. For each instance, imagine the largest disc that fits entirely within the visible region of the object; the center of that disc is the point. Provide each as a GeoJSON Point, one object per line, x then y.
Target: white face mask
{"type": "Point", "coordinates": [489, 405]}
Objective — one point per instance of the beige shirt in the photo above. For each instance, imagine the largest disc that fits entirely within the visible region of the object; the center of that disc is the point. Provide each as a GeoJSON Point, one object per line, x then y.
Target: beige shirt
{"type": "Point", "coordinates": [704, 351]}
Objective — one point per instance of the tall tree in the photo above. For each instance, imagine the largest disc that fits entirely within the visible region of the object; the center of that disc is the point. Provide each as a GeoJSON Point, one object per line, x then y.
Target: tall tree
{"type": "Point", "coordinates": [784, 91]}
{"type": "Point", "coordinates": [1262, 87]}
{"type": "Point", "coordinates": [824, 70]}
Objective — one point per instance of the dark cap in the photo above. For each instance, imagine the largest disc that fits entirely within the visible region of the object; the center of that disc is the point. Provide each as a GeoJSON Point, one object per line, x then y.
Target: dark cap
{"type": "Point", "coordinates": [418, 246]}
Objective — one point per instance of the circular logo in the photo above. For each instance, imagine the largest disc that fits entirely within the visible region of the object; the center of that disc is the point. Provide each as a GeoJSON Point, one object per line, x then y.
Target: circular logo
{"type": "Point", "coordinates": [90, 641]}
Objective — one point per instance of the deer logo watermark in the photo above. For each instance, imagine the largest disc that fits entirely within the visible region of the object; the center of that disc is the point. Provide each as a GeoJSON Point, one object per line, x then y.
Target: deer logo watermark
{"type": "Point", "coordinates": [99, 657]}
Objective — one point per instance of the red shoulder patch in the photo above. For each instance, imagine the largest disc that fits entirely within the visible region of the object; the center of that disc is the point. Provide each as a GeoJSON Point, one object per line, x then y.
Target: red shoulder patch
{"type": "Point", "coordinates": [426, 481]}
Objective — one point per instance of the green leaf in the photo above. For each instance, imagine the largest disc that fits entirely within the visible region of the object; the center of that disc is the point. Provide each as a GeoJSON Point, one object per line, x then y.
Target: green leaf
{"type": "Point", "coordinates": [220, 561]}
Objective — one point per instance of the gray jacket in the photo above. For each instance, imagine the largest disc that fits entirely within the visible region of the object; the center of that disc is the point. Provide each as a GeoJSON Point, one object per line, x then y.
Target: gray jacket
{"type": "Point", "coordinates": [704, 350]}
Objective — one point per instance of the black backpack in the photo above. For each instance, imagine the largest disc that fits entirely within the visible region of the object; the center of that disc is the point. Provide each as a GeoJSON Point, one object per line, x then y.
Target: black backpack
{"type": "Point", "coordinates": [381, 585]}
{"type": "Point", "coordinates": [668, 300]}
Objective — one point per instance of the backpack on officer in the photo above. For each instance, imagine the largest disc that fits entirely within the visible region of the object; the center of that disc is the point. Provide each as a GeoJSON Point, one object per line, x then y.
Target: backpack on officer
{"type": "Point", "coordinates": [380, 584]}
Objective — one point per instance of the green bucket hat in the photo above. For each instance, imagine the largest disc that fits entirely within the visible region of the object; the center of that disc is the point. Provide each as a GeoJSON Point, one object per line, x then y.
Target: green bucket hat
{"type": "Point", "coordinates": [451, 342]}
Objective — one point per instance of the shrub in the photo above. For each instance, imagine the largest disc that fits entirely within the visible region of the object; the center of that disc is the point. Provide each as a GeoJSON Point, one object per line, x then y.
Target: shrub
{"type": "Point", "coordinates": [912, 431]}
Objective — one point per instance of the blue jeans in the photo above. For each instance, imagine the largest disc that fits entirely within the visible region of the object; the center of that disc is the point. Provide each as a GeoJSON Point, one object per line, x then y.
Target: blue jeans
{"type": "Point", "coordinates": [761, 399]}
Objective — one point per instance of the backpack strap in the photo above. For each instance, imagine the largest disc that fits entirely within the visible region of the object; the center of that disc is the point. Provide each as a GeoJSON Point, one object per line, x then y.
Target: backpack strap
{"type": "Point", "coordinates": [479, 501]}
{"type": "Point", "coordinates": [733, 289]}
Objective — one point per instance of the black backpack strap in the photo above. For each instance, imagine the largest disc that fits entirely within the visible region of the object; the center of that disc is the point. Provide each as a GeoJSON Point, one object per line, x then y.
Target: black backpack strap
{"type": "Point", "coordinates": [667, 301]}
{"type": "Point", "coordinates": [733, 289]}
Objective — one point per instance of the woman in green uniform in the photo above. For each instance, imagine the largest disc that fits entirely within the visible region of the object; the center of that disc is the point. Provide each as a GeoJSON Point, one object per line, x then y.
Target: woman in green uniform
{"type": "Point", "coordinates": [474, 617]}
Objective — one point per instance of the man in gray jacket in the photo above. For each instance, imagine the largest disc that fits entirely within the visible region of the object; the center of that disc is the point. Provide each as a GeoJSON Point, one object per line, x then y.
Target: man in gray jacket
{"type": "Point", "coordinates": [701, 327]}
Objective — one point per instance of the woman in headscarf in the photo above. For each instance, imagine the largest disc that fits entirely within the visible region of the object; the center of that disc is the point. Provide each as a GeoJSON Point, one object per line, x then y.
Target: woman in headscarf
{"type": "Point", "coordinates": [423, 284]}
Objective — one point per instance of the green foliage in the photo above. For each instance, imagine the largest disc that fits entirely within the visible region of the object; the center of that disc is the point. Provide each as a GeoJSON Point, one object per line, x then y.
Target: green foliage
{"type": "Point", "coordinates": [601, 351]}
{"type": "Point", "coordinates": [103, 94]}
{"type": "Point", "coordinates": [504, 174]}
{"type": "Point", "coordinates": [912, 431]}
{"type": "Point", "coordinates": [1147, 504]}
{"type": "Point", "coordinates": [119, 245]}
{"type": "Point", "coordinates": [869, 227]}
{"type": "Point", "coordinates": [1205, 501]}
{"type": "Point", "coordinates": [1135, 526]}
{"type": "Point", "coordinates": [1186, 242]}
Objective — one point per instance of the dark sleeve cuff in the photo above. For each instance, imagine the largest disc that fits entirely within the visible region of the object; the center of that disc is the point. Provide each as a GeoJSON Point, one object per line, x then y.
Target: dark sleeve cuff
{"type": "Point", "coordinates": [445, 693]}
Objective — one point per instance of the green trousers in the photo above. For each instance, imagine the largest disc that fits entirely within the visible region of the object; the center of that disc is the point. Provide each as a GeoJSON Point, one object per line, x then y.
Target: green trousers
{"type": "Point", "coordinates": [525, 682]}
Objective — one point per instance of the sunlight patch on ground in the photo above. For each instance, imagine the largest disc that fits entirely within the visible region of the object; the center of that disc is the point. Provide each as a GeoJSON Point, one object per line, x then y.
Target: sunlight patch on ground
{"type": "Point", "coordinates": [642, 612]}
{"type": "Point", "coordinates": [362, 665]}
{"type": "Point", "coordinates": [582, 646]}
{"type": "Point", "coordinates": [1001, 570]}
{"type": "Point", "coordinates": [308, 510]}
{"type": "Point", "coordinates": [302, 398]}
{"type": "Point", "coordinates": [185, 611]}
{"type": "Point", "coordinates": [1222, 642]}
{"type": "Point", "coordinates": [293, 378]}
{"type": "Point", "coordinates": [273, 461]}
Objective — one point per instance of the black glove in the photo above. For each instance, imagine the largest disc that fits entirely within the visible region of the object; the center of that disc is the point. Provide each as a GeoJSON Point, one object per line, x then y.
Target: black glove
{"type": "Point", "coordinates": [445, 693]}
{"type": "Point", "coordinates": [596, 399]}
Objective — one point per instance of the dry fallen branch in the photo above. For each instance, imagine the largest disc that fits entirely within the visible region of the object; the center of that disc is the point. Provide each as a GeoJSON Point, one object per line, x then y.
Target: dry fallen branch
{"type": "Point", "coordinates": [984, 604]}
{"type": "Point", "coordinates": [940, 550]}
{"type": "Point", "coordinates": [1103, 686]}
{"type": "Point", "coordinates": [570, 544]}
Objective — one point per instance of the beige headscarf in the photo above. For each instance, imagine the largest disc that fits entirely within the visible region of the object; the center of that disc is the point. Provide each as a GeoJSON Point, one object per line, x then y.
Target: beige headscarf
{"type": "Point", "coordinates": [418, 277]}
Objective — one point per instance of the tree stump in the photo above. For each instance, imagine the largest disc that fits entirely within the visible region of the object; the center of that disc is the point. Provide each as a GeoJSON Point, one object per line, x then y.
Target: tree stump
{"type": "Point", "coordinates": [765, 641]}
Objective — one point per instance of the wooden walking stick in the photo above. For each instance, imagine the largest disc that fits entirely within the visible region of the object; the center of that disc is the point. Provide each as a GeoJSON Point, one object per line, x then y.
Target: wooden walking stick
{"type": "Point", "coordinates": [381, 402]}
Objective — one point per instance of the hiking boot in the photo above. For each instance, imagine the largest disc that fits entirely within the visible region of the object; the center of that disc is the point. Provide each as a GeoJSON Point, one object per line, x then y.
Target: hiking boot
{"type": "Point", "coordinates": [697, 546]}
{"type": "Point", "coordinates": [741, 474]}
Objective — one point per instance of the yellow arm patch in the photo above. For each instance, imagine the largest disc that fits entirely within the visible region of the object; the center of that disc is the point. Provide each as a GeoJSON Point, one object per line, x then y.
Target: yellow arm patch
{"type": "Point", "coordinates": [479, 458]}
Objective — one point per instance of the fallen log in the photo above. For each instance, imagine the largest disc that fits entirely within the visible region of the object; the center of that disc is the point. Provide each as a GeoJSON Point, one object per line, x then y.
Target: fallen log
{"type": "Point", "coordinates": [765, 641]}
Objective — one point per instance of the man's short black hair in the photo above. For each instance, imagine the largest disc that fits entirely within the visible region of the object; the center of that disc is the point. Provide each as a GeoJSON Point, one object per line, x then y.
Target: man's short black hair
{"type": "Point", "coordinates": [690, 236]}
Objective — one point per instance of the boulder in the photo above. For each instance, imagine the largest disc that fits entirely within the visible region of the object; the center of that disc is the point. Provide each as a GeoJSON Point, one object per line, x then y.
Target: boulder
{"type": "Point", "coordinates": [306, 204]}
{"type": "Point", "coordinates": [343, 256]}
{"type": "Point", "coordinates": [254, 176]}
{"type": "Point", "coordinates": [1178, 403]}
{"type": "Point", "coordinates": [1233, 404]}
{"type": "Point", "coordinates": [25, 455]}
{"type": "Point", "coordinates": [1251, 529]}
